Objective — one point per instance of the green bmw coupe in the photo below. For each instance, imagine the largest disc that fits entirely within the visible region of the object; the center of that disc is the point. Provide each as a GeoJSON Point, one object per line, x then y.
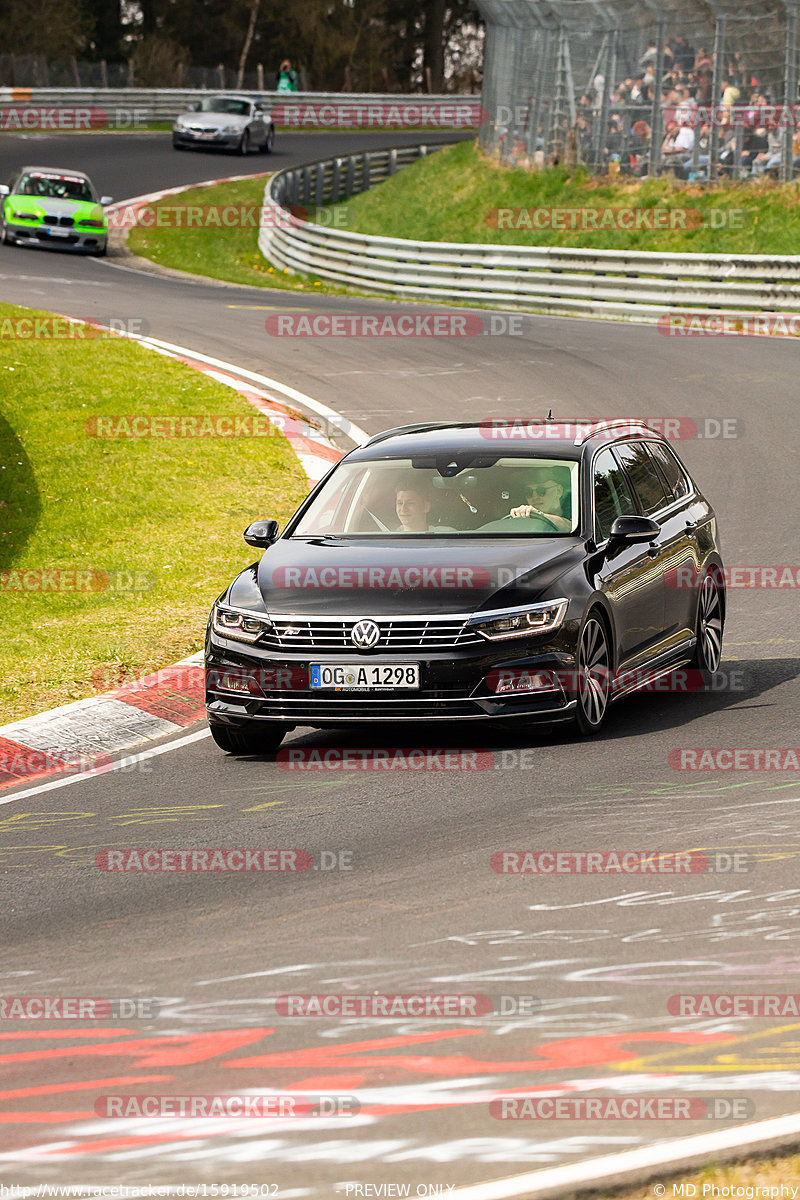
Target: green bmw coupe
{"type": "Point", "coordinates": [46, 206]}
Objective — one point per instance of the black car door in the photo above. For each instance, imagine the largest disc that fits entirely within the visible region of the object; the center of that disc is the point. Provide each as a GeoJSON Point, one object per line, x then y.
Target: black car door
{"type": "Point", "coordinates": [679, 523]}
{"type": "Point", "coordinates": [630, 576]}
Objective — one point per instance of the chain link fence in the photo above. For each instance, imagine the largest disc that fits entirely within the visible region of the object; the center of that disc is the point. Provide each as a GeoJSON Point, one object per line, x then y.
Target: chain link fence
{"type": "Point", "coordinates": [704, 90]}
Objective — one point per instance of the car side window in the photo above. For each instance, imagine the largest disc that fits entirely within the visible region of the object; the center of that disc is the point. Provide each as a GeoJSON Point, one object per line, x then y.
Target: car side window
{"type": "Point", "coordinates": [644, 476]}
{"type": "Point", "coordinates": [612, 495]}
{"type": "Point", "coordinates": [673, 472]}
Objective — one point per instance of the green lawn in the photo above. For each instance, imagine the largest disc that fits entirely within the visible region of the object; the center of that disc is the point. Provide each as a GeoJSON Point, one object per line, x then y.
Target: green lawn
{"type": "Point", "coordinates": [158, 521]}
{"type": "Point", "coordinates": [781, 1171]}
{"type": "Point", "coordinates": [231, 254]}
{"type": "Point", "coordinates": [452, 195]}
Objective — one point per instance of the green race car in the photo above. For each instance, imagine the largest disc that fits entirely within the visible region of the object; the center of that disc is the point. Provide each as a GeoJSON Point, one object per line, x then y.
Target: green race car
{"type": "Point", "coordinates": [45, 206]}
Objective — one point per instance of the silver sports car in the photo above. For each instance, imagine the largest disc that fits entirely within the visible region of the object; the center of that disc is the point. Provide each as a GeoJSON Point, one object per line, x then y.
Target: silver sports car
{"type": "Point", "coordinates": [227, 123]}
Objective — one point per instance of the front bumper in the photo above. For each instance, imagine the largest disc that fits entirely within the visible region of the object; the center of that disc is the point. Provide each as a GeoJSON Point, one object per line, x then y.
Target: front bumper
{"type": "Point", "coordinates": [453, 685]}
{"type": "Point", "coordinates": [69, 238]}
{"type": "Point", "coordinates": [216, 141]}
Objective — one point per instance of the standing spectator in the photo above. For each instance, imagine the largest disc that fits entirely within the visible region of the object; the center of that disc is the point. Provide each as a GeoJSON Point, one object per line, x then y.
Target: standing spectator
{"type": "Point", "coordinates": [684, 53]}
{"type": "Point", "coordinates": [287, 78]}
{"type": "Point", "coordinates": [730, 95]}
{"type": "Point", "coordinates": [703, 60]}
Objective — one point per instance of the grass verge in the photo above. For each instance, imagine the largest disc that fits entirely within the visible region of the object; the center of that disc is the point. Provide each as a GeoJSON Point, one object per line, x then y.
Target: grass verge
{"type": "Point", "coordinates": [453, 195]}
{"type": "Point", "coordinates": [779, 1171]}
{"type": "Point", "coordinates": [154, 524]}
{"type": "Point", "coordinates": [230, 254]}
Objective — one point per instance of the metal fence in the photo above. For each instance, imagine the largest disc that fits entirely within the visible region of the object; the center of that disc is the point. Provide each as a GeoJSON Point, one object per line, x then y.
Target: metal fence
{"type": "Point", "coordinates": [33, 70]}
{"type": "Point", "coordinates": [633, 285]}
{"type": "Point", "coordinates": [704, 89]}
{"type": "Point", "coordinates": [32, 108]}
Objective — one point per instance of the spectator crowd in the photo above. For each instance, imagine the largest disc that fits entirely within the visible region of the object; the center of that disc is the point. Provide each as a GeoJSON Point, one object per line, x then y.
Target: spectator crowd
{"type": "Point", "coordinates": [749, 140]}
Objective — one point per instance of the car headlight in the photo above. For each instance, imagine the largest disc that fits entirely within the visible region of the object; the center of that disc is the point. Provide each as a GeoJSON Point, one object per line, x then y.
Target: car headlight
{"type": "Point", "coordinates": [27, 216]}
{"type": "Point", "coordinates": [521, 622]}
{"type": "Point", "coordinates": [89, 223]}
{"type": "Point", "coordinates": [179, 124]}
{"type": "Point", "coordinates": [242, 626]}
{"type": "Point", "coordinates": [231, 129]}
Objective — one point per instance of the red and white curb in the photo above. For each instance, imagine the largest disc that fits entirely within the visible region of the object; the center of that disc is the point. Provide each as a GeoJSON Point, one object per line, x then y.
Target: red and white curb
{"type": "Point", "coordinates": [81, 737]}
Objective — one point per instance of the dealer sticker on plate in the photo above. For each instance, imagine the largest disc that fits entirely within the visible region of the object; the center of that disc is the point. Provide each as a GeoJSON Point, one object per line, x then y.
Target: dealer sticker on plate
{"type": "Point", "coordinates": [364, 677]}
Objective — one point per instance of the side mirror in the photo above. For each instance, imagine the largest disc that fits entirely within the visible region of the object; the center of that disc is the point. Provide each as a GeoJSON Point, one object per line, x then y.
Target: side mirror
{"type": "Point", "coordinates": [104, 200]}
{"type": "Point", "coordinates": [4, 189]}
{"type": "Point", "coordinates": [194, 106]}
{"type": "Point", "coordinates": [262, 533]}
{"type": "Point", "coordinates": [631, 530]}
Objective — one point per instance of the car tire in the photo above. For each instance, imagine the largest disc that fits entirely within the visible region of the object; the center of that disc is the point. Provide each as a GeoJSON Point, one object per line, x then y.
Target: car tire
{"type": "Point", "coordinates": [593, 660]}
{"type": "Point", "coordinates": [269, 141]}
{"type": "Point", "coordinates": [709, 626]}
{"type": "Point", "coordinates": [8, 238]}
{"type": "Point", "coordinates": [258, 737]}
{"type": "Point", "coordinates": [244, 145]}
{"type": "Point", "coordinates": [101, 251]}
{"type": "Point", "coordinates": [177, 145]}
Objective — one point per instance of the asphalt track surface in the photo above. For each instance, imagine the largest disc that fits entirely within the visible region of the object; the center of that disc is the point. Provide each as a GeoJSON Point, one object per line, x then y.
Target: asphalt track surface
{"type": "Point", "coordinates": [421, 909]}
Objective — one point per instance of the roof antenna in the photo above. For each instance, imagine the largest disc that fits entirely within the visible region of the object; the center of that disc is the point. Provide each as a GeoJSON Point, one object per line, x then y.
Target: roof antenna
{"type": "Point", "coordinates": [550, 415]}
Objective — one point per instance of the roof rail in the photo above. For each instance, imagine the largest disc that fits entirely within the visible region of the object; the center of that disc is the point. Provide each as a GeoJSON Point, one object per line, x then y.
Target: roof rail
{"type": "Point", "coordinates": [632, 425]}
{"type": "Point", "coordinates": [417, 428]}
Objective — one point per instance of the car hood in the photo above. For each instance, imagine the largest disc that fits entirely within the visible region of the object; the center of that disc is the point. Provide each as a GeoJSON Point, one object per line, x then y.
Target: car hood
{"type": "Point", "coordinates": [43, 205]}
{"type": "Point", "coordinates": [364, 578]}
{"type": "Point", "coordinates": [200, 120]}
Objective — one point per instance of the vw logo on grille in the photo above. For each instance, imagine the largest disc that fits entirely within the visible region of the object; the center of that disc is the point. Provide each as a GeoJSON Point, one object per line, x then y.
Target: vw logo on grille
{"type": "Point", "coordinates": [365, 634]}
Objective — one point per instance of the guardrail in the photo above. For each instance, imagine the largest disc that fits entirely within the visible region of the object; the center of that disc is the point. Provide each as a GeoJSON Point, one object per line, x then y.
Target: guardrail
{"type": "Point", "coordinates": [309, 109]}
{"type": "Point", "coordinates": [618, 283]}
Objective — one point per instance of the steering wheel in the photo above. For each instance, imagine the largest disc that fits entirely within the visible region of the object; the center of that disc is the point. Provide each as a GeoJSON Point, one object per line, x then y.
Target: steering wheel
{"type": "Point", "coordinates": [532, 517]}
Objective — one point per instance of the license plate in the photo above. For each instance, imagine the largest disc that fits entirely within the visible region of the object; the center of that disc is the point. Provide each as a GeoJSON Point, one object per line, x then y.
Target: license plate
{"type": "Point", "coordinates": [364, 677]}
{"type": "Point", "coordinates": [59, 232]}
{"type": "Point", "coordinates": [206, 136]}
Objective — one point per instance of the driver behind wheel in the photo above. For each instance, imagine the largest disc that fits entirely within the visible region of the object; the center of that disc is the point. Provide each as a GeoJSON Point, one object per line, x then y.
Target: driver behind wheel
{"type": "Point", "coordinates": [547, 495]}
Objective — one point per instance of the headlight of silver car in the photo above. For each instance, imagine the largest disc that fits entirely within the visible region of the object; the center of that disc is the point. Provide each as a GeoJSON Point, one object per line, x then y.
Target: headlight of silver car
{"type": "Point", "coordinates": [521, 622]}
{"type": "Point", "coordinates": [242, 626]}
{"type": "Point", "coordinates": [231, 129]}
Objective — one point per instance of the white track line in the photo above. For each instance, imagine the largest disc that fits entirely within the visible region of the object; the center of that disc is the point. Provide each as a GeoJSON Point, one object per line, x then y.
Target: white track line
{"type": "Point", "coordinates": [633, 1166]}
{"type": "Point", "coordinates": [119, 765]}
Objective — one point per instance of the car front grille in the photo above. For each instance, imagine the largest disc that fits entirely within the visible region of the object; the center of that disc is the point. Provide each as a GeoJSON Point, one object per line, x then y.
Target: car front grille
{"type": "Point", "coordinates": [66, 222]}
{"type": "Point", "coordinates": [313, 633]}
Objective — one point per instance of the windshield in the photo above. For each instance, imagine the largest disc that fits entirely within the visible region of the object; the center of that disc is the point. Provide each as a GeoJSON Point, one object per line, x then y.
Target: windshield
{"type": "Point", "coordinates": [55, 187]}
{"type": "Point", "coordinates": [219, 104]}
{"type": "Point", "coordinates": [424, 498]}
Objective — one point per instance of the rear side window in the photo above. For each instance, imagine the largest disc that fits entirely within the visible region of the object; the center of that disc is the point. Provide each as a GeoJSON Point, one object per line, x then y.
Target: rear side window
{"type": "Point", "coordinates": [612, 495]}
{"type": "Point", "coordinates": [673, 472]}
{"type": "Point", "coordinates": [643, 474]}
